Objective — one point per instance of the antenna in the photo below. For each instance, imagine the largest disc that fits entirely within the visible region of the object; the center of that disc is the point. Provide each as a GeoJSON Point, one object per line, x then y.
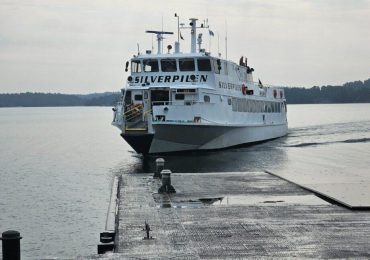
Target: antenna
{"type": "Point", "coordinates": [159, 38]}
{"type": "Point", "coordinates": [162, 31]}
{"type": "Point", "coordinates": [226, 39]}
{"type": "Point", "coordinates": [178, 27]}
{"type": "Point", "coordinates": [152, 44]}
{"type": "Point", "coordinates": [218, 45]}
{"type": "Point", "coordinates": [177, 44]}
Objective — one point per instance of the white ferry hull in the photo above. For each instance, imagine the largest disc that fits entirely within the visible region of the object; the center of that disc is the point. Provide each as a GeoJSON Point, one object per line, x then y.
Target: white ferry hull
{"type": "Point", "coordinates": [175, 138]}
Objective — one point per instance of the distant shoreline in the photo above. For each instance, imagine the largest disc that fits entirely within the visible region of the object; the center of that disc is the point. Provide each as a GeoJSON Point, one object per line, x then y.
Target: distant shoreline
{"type": "Point", "coordinates": [111, 106]}
{"type": "Point", "coordinates": [351, 92]}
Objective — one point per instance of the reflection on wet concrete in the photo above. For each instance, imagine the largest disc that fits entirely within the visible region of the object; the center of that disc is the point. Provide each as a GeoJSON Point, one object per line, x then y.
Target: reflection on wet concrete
{"type": "Point", "coordinates": [235, 215]}
{"type": "Point", "coordinates": [256, 200]}
{"type": "Point", "coordinates": [245, 200]}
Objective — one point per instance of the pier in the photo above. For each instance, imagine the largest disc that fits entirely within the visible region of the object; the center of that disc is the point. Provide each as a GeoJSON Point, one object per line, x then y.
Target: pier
{"type": "Point", "coordinates": [232, 215]}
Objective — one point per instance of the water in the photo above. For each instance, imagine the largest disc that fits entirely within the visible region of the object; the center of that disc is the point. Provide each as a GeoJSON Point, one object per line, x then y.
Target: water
{"type": "Point", "coordinates": [57, 165]}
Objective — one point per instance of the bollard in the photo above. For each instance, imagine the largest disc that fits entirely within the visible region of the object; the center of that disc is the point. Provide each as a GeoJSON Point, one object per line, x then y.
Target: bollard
{"type": "Point", "coordinates": [107, 236]}
{"type": "Point", "coordinates": [159, 166]}
{"type": "Point", "coordinates": [11, 245]}
{"type": "Point", "coordinates": [166, 183]}
{"type": "Point", "coordinates": [106, 242]}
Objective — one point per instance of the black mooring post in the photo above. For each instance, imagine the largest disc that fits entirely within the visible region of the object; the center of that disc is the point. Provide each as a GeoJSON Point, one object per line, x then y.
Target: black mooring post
{"type": "Point", "coordinates": [166, 182]}
{"type": "Point", "coordinates": [159, 166]}
{"type": "Point", "coordinates": [11, 245]}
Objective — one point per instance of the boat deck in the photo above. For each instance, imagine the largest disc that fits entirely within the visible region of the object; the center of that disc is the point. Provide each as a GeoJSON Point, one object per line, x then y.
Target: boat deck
{"type": "Point", "coordinates": [234, 216]}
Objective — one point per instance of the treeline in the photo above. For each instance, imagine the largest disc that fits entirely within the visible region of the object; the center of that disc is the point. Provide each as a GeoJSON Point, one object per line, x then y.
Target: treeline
{"type": "Point", "coordinates": [352, 92]}
{"type": "Point", "coordinates": [55, 100]}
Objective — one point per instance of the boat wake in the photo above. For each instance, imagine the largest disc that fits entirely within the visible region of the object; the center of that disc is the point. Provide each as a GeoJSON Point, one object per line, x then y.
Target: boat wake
{"type": "Point", "coordinates": [352, 132]}
{"type": "Point", "coordinates": [360, 140]}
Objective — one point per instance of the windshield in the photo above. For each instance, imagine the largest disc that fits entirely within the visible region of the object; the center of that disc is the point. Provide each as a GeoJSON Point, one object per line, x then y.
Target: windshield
{"type": "Point", "coordinates": [168, 65]}
{"type": "Point", "coordinates": [151, 65]}
{"type": "Point", "coordinates": [135, 66]}
{"type": "Point", "coordinates": [186, 64]}
{"type": "Point", "coordinates": [204, 65]}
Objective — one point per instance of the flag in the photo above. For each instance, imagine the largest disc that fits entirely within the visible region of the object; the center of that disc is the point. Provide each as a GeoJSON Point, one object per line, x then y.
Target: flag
{"type": "Point", "coordinates": [211, 33]}
{"type": "Point", "coordinates": [260, 83]}
{"type": "Point", "coordinates": [182, 38]}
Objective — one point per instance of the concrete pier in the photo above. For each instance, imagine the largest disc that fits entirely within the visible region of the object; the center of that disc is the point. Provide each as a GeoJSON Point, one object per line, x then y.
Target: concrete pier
{"type": "Point", "coordinates": [233, 216]}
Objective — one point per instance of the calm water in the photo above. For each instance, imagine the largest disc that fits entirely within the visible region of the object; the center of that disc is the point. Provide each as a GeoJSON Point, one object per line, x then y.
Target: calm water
{"type": "Point", "coordinates": [57, 165]}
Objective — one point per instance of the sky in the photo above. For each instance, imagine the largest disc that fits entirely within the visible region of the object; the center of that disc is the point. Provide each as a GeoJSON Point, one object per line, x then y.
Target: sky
{"type": "Point", "coordinates": [81, 46]}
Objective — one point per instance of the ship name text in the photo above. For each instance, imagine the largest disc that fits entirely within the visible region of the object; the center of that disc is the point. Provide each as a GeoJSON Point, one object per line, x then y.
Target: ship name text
{"type": "Point", "coordinates": [226, 85]}
{"type": "Point", "coordinates": [170, 79]}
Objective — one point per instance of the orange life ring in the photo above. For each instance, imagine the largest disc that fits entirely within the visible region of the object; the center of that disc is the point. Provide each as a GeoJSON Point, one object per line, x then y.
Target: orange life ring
{"type": "Point", "coordinates": [244, 89]}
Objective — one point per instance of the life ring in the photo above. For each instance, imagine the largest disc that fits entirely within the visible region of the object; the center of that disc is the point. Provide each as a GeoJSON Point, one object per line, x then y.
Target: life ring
{"type": "Point", "coordinates": [275, 93]}
{"type": "Point", "coordinates": [244, 89]}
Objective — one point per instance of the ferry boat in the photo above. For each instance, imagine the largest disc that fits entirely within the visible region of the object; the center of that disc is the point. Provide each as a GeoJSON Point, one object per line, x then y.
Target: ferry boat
{"type": "Point", "coordinates": [177, 101]}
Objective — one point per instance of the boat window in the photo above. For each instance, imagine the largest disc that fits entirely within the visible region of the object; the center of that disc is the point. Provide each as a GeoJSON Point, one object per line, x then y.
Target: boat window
{"type": "Point", "coordinates": [207, 99]}
{"type": "Point", "coordinates": [204, 65]}
{"type": "Point", "coordinates": [216, 66]}
{"type": "Point", "coordinates": [151, 65]}
{"type": "Point", "coordinates": [260, 106]}
{"type": "Point", "coordinates": [245, 105]}
{"type": "Point", "coordinates": [179, 96]}
{"type": "Point", "coordinates": [135, 66]}
{"type": "Point", "coordinates": [186, 64]}
{"type": "Point", "coordinates": [186, 90]}
{"type": "Point", "coordinates": [168, 65]}
{"type": "Point", "coordinates": [240, 105]}
{"type": "Point", "coordinates": [224, 68]}
{"type": "Point", "coordinates": [257, 106]}
{"type": "Point", "coordinates": [229, 101]}
{"type": "Point", "coordinates": [138, 97]}
{"type": "Point", "coordinates": [234, 104]}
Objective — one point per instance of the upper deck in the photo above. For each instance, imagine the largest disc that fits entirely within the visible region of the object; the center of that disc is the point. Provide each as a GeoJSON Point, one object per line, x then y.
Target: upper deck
{"type": "Point", "coordinates": [196, 69]}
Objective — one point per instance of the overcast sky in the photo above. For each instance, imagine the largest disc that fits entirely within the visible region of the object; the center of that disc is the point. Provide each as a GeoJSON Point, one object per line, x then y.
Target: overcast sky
{"type": "Point", "coordinates": [80, 46]}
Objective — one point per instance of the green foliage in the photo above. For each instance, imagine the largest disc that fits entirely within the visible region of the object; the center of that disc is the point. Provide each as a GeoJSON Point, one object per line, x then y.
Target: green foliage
{"type": "Point", "coordinates": [55, 100]}
{"type": "Point", "coordinates": [352, 92]}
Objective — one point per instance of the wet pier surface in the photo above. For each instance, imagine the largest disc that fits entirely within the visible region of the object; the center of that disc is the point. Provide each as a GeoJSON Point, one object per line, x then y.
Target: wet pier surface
{"type": "Point", "coordinates": [234, 216]}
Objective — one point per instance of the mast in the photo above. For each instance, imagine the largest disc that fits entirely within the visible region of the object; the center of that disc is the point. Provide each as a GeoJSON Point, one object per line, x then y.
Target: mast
{"type": "Point", "coordinates": [193, 32]}
{"type": "Point", "coordinates": [193, 25]}
{"type": "Point", "coordinates": [177, 44]}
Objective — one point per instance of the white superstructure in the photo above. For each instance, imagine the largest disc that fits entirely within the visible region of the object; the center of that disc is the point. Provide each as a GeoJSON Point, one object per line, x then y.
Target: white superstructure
{"type": "Point", "coordinates": [178, 101]}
